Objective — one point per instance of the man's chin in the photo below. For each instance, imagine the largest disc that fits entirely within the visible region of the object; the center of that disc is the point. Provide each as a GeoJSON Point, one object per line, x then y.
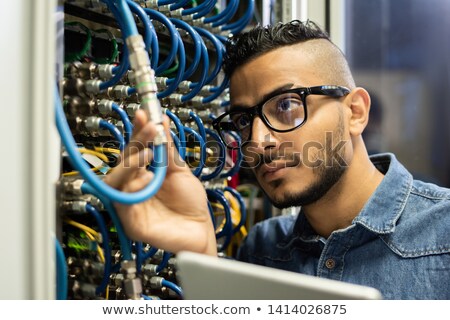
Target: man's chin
{"type": "Point", "coordinates": [289, 201]}
{"type": "Point", "coordinates": [277, 196]}
{"type": "Point", "coordinates": [281, 204]}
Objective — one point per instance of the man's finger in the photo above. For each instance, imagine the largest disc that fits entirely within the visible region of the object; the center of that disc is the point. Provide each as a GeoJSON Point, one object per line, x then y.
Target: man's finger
{"type": "Point", "coordinates": [141, 139]}
{"type": "Point", "coordinates": [129, 168]}
{"type": "Point", "coordinates": [139, 182]}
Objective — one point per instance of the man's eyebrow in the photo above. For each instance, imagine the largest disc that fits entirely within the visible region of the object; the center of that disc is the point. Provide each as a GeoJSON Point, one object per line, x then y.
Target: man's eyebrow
{"type": "Point", "coordinates": [266, 96]}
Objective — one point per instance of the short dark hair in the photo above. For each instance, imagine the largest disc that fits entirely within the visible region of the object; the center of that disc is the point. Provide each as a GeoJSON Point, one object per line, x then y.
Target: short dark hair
{"type": "Point", "coordinates": [243, 47]}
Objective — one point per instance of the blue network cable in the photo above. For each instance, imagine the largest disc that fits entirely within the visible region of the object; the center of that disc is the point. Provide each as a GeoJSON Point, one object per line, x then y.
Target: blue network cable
{"type": "Point", "coordinates": [174, 42]}
{"type": "Point", "coordinates": [176, 141]}
{"type": "Point", "coordinates": [180, 129]}
{"type": "Point", "coordinates": [114, 132]}
{"type": "Point", "coordinates": [224, 16]}
{"type": "Point", "coordinates": [145, 297]}
{"type": "Point", "coordinates": [105, 243]}
{"type": "Point", "coordinates": [222, 38]}
{"type": "Point", "coordinates": [61, 273]}
{"type": "Point", "coordinates": [199, 123]}
{"type": "Point", "coordinates": [127, 125]}
{"type": "Point", "coordinates": [200, 53]}
{"type": "Point", "coordinates": [120, 70]}
{"type": "Point", "coordinates": [225, 103]}
{"type": "Point", "coordinates": [164, 261]}
{"type": "Point", "coordinates": [150, 36]}
{"type": "Point", "coordinates": [222, 155]}
{"type": "Point", "coordinates": [227, 230]}
{"type": "Point", "coordinates": [201, 164]}
{"type": "Point", "coordinates": [211, 213]}
{"type": "Point", "coordinates": [138, 252]}
{"type": "Point", "coordinates": [205, 5]}
{"type": "Point", "coordinates": [179, 4]}
{"type": "Point", "coordinates": [174, 82]}
{"type": "Point", "coordinates": [125, 19]}
{"type": "Point", "coordinates": [240, 199]}
{"type": "Point", "coordinates": [239, 25]}
{"type": "Point", "coordinates": [197, 41]}
{"type": "Point", "coordinates": [160, 160]}
{"type": "Point", "coordinates": [207, 9]}
{"type": "Point", "coordinates": [217, 92]}
{"type": "Point", "coordinates": [173, 286]}
{"type": "Point", "coordinates": [124, 14]}
{"type": "Point", "coordinates": [165, 2]}
{"type": "Point", "coordinates": [237, 163]}
{"type": "Point", "coordinates": [219, 48]}
{"type": "Point", "coordinates": [196, 87]}
{"type": "Point", "coordinates": [150, 253]}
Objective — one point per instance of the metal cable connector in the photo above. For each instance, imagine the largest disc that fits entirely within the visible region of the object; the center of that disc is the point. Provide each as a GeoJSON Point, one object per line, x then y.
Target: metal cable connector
{"type": "Point", "coordinates": [175, 99]}
{"type": "Point", "coordinates": [160, 137]}
{"type": "Point", "coordinates": [197, 102]}
{"type": "Point", "coordinates": [93, 86]}
{"type": "Point", "coordinates": [188, 18]}
{"type": "Point", "coordinates": [200, 22]}
{"type": "Point", "coordinates": [177, 14]}
{"type": "Point", "coordinates": [152, 4]}
{"type": "Point", "coordinates": [145, 78]}
{"type": "Point", "coordinates": [105, 106]}
{"type": "Point", "coordinates": [73, 187]}
{"type": "Point", "coordinates": [75, 206]}
{"type": "Point", "coordinates": [105, 71]}
{"type": "Point", "coordinates": [132, 284]}
{"type": "Point", "coordinates": [92, 124]}
{"type": "Point", "coordinates": [184, 86]}
{"type": "Point", "coordinates": [156, 282]}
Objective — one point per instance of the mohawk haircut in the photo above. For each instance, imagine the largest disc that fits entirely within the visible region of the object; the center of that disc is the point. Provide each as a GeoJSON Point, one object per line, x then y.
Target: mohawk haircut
{"type": "Point", "coordinates": [246, 46]}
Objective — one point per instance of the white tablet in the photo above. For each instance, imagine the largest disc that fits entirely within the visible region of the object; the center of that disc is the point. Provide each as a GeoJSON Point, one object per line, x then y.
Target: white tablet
{"type": "Point", "coordinates": [209, 278]}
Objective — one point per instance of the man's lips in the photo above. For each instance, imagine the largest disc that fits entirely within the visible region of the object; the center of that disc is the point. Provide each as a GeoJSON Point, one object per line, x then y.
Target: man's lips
{"type": "Point", "coordinates": [272, 167]}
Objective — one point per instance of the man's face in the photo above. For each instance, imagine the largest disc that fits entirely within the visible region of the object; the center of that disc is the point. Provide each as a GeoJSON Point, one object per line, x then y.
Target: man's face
{"type": "Point", "coordinates": [294, 168]}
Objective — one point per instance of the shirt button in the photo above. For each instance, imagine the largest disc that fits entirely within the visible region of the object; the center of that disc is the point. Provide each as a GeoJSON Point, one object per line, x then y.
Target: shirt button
{"type": "Point", "coordinates": [330, 263]}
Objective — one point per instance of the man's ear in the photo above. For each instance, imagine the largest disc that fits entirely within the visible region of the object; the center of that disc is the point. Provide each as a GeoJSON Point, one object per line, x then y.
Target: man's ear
{"type": "Point", "coordinates": [359, 103]}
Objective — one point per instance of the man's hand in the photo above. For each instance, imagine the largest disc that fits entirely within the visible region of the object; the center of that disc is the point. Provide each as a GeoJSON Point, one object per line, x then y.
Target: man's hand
{"type": "Point", "coordinates": [177, 217]}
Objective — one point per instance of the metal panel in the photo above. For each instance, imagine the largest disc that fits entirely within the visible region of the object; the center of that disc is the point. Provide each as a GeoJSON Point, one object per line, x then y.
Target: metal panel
{"type": "Point", "coordinates": [30, 157]}
{"type": "Point", "coordinates": [337, 23]}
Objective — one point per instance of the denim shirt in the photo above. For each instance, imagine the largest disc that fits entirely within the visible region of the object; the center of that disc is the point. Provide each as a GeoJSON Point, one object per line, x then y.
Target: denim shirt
{"type": "Point", "coordinates": [399, 243]}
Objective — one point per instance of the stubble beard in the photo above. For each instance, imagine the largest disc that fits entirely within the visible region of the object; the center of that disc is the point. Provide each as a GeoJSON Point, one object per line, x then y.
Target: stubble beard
{"type": "Point", "coordinates": [327, 176]}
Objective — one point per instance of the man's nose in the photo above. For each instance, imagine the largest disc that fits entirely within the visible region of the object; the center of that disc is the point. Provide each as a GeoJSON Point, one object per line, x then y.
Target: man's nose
{"type": "Point", "coordinates": [262, 137]}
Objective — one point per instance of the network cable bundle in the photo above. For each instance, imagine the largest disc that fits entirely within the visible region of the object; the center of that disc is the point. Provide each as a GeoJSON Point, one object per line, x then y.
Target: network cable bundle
{"type": "Point", "coordinates": [163, 57]}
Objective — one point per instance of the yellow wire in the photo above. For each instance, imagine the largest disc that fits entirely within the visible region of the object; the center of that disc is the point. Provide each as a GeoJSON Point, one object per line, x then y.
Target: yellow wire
{"type": "Point", "coordinates": [94, 153]}
{"type": "Point", "coordinates": [237, 209]}
{"type": "Point", "coordinates": [74, 173]}
{"type": "Point", "coordinates": [217, 205]}
{"type": "Point", "coordinates": [110, 150]}
{"type": "Point", "coordinates": [236, 216]}
{"type": "Point", "coordinates": [90, 233]}
{"type": "Point", "coordinates": [82, 227]}
{"type": "Point", "coordinates": [198, 150]}
{"type": "Point", "coordinates": [89, 151]}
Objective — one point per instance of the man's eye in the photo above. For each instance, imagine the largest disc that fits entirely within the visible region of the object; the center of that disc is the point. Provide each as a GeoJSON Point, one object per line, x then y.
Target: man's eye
{"type": "Point", "coordinates": [288, 104]}
{"type": "Point", "coordinates": [241, 121]}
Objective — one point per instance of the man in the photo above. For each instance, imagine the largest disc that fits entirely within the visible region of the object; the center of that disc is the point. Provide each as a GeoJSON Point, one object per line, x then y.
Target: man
{"type": "Point", "coordinates": [295, 104]}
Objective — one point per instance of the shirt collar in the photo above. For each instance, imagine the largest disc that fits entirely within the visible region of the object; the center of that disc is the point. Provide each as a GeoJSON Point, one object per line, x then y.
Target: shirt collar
{"type": "Point", "coordinates": [386, 204]}
{"type": "Point", "coordinates": [382, 210]}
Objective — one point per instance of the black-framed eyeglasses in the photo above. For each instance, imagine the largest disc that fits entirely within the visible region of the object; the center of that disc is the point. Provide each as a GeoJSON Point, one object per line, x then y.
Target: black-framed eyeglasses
{"type": "Point", "coordinates": [282, 112]}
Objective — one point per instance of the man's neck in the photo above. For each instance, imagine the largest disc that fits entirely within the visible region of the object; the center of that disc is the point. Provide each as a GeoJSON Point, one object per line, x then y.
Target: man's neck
{"type": "Point", "coordinates": [344, 201]}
